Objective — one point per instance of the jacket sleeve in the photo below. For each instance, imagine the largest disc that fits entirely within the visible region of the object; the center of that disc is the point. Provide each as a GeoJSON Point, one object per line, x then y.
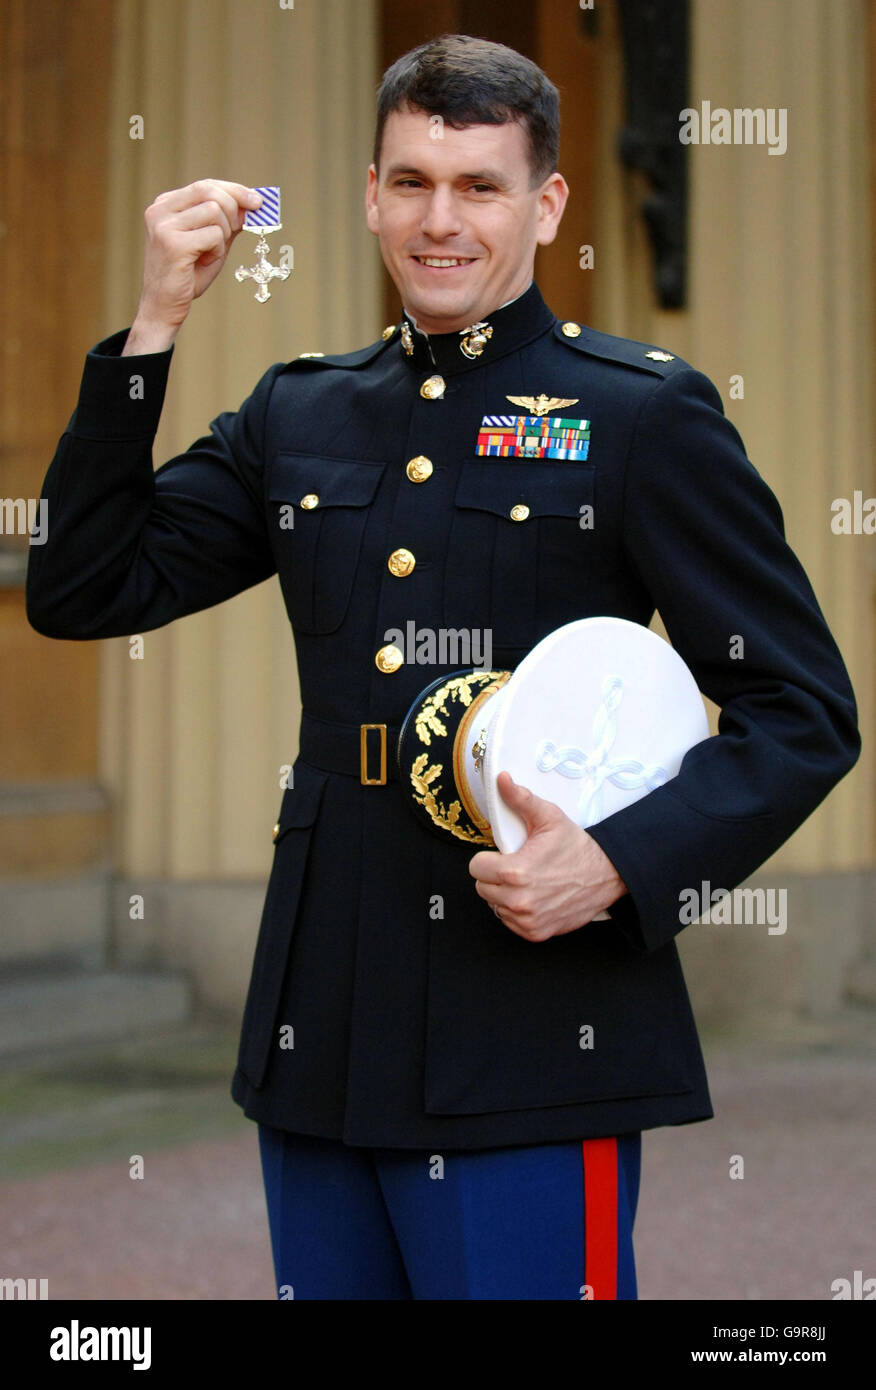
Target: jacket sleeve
{"type": "Point", "coordinates": [129, 549]}
{"type": "Point", "coordinates": [705, 535]}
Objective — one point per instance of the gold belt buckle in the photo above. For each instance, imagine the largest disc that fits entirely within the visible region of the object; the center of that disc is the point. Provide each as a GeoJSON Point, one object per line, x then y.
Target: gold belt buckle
{"type": "Point", "coordinates": [363, 756]}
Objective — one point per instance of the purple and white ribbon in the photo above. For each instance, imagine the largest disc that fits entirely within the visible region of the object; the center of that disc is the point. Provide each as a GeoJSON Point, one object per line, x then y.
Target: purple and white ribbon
{"type": "Point", "coordinates": [265, 218]}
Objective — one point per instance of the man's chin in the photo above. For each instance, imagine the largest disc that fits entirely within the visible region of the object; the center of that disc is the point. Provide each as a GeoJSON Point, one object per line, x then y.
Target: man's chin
{"type": "Point", "coordinates": [443, 311]}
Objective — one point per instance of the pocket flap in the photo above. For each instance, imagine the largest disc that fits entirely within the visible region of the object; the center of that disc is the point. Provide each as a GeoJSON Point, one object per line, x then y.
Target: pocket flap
{"type": "Point", "coordinates": [547, 490]}
{"type": "Point", "coordinates": [301, 799]}
{"type": "Point", "coordinates": [335, 482]}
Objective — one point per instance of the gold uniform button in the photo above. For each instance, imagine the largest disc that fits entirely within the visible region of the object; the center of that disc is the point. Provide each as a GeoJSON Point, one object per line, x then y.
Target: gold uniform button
{"type": "Point", "coordinates": [309, 501]}
{"type": "Point", "coordinates": [303, 355]}
{"type": "Point", "coordinates": [433, 388]}
{"type": "Point", "coordinates": [388, 332]}
{"type": "Point", "coordinates": [419, 469]}
{"type": "Point", "coordinates": [572, 330]}
{"type": "Point", "coordinates": [520, 512]}
{"type": "Point", "coordinates": [401, 562]}
{"type": "Point", "coordinates": [388, 659]}
{"type": "Point", "coordinates": [276, 833]}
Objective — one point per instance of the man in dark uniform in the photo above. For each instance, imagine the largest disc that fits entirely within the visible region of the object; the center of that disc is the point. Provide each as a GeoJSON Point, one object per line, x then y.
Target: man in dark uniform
{"type": "Point", "coordinates": [431, 1124]}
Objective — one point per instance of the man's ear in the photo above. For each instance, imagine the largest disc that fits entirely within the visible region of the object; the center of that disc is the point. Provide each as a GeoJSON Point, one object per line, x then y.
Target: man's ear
{"type": "Point", "coordinates": [551, 206]}
{"type": "Point", "coordinates": [371, 214]}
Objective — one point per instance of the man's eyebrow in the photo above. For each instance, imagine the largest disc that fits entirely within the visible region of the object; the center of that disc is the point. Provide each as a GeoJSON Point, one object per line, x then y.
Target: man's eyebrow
{"type": "Point", "coordinates": [473, 176]}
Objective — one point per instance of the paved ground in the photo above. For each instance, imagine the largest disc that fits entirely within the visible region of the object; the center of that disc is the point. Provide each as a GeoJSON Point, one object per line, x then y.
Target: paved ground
{"type": "Point", "coordinates": [802, 1117]}
{"type": "Point", "coordinates": [805, 1212]}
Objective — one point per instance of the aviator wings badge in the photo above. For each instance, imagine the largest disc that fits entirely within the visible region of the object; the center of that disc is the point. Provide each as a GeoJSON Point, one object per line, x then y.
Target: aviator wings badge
{"type": "Point", "coordinates": [542, 405]}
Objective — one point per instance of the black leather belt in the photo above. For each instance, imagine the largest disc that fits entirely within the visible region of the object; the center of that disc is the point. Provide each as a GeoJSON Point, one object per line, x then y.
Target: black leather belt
{"type": "Point", "coordinates": [366, 751]}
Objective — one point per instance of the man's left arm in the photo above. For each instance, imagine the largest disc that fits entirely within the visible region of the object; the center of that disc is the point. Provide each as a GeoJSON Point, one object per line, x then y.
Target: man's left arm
{"type": "Point", "coordinates": [705, 535]}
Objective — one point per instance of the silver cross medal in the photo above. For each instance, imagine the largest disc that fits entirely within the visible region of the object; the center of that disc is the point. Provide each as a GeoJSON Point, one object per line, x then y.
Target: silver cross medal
{"type": "Point", "coordinates": [264, 220]}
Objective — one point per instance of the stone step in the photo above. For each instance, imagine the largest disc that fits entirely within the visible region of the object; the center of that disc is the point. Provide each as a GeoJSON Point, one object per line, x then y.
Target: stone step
{"type": "Point", "coordinates": [38, 1016]}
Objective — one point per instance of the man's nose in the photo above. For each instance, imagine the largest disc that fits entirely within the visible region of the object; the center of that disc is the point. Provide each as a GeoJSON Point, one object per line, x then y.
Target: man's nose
{"type": "Point", "coordinates": [442, 217]}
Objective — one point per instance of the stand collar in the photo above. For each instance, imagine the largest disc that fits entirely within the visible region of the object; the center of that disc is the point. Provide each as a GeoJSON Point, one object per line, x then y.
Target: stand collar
{"type": "Point", "coordinates": [501, 332]}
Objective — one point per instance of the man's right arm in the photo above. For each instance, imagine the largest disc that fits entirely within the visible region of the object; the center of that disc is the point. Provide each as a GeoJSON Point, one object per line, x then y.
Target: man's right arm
{"type": "Point", "coordinates": [128, 549]}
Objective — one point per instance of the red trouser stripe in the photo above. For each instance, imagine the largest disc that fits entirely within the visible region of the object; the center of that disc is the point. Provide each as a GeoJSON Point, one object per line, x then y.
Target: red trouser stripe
{"type": "Point", "coordinates": [600, 1216]}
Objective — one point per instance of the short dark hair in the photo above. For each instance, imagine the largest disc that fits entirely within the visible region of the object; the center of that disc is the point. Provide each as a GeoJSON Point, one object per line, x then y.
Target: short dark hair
{"type": "Point", "coordinates": [470, 81]}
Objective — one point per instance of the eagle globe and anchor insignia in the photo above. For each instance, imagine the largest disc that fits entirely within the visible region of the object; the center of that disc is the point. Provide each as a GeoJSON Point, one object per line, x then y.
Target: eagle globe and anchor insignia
{"type": "Point", "coordinates": [601, 712]}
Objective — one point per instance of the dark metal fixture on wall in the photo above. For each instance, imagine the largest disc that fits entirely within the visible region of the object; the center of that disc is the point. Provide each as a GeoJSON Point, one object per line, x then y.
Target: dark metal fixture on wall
{"type": "Point", "coordinates": [654, 34]}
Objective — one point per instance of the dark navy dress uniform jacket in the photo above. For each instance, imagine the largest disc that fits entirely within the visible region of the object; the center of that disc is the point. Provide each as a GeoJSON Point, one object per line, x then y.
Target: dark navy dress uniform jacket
{"type": "Point", "coordinates": [414, 1026]}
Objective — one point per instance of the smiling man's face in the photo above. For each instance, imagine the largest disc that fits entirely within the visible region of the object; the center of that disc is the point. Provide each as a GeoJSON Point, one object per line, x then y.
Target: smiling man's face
{"type": "Point", "coordinates": [457, 220]}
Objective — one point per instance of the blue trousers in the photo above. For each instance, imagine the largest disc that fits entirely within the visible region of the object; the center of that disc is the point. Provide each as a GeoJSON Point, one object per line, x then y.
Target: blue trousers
{"type": "Point", "coordinates": [552, 1221]}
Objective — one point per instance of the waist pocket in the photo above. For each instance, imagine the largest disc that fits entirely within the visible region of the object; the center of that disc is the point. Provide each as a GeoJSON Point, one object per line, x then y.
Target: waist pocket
{"type": "Point", "coordinates": [293, 831]}
{"type": "Point", "coordinates": [521, 547]}
{"type": "Point", "coordinates": [519, 1025]}
{"type": "Point", "coordinates": [318, 508]}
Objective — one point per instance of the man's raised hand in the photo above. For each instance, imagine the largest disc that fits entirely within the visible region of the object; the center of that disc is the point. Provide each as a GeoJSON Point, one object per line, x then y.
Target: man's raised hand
{"type": "Point", "coordinates": [189, 232]}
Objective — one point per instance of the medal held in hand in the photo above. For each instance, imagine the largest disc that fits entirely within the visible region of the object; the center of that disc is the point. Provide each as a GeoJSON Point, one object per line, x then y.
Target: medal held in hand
{"type": "Point", "coordinates": [264, 220]}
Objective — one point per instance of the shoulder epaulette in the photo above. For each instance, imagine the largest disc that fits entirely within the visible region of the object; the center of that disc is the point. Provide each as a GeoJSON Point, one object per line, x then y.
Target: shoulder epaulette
{"type": "Point", "coordinates": [644, 357]}
{"type": "Point", "coordinates": [359, 358]}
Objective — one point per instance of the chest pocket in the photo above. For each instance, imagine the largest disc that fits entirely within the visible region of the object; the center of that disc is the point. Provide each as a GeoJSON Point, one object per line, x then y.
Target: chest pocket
{"type": "Point", "coordinates": [521, 547]}
{"type": "Point", "coordinates": [318, 508]}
